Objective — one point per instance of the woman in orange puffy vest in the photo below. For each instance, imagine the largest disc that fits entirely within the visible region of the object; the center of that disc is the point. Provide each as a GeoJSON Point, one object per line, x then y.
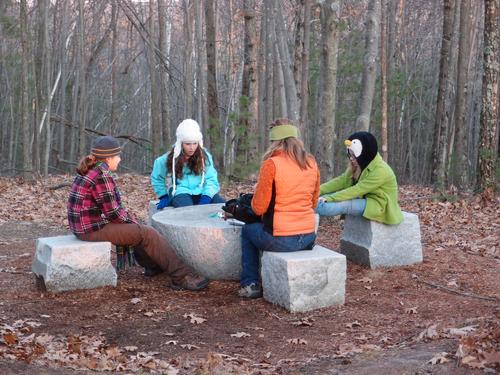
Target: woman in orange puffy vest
{"type": "Point", "coordinates": [286, 195]}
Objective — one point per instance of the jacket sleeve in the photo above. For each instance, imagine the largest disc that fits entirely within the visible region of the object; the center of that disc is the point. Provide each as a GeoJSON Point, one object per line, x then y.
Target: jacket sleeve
{"type": "Point", "coordinates": [335, 184]}
{"type": "Point", "coordinates": [366, 184]}
{"type": "Point", "coordinates": [264, 189]}
{"type": "Point", "coordinates": [158, 176]}
{"type": "Point", "coordinates": [211, 185]}
{"type": "Point", "coordinates": [105, 195]}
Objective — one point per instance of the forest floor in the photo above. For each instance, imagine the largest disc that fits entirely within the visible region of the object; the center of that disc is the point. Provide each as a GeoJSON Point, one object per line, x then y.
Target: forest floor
{"type": "Point", "coordinates": [441, 316]}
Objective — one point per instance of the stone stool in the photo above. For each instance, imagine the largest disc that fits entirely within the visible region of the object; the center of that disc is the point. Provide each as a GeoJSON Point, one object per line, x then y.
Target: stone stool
{"type": "Point", "coordinates": [304, 280]}
{"type": "Point", "coordinates": [67, 263]}
{"type": "Point", "coordinates": [375, 245]}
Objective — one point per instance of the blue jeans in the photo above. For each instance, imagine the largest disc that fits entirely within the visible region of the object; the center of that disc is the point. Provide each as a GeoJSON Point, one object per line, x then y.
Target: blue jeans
{"type": "Point", "coordinates": [354, 207]}
{"type": "Point", "coordinates": [255, 238]}
{"type": "Point", "coordinates": [183, 200]}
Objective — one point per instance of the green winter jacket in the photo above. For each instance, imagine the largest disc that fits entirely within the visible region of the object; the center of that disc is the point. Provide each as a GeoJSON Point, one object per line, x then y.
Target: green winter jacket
{"type": "Point", "coordinates": [377, 183]}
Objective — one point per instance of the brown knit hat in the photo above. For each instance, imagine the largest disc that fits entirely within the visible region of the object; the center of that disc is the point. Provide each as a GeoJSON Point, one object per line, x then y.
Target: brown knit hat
{"type": "Point", "coordinates": [105, 147]}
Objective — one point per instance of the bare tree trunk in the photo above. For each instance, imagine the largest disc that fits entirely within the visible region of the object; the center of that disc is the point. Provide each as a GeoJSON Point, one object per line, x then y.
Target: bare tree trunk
{"type": "Point", "coordinates": [81, 68]}
{"type": "Point", "coordinates": [488, 149]}
{"type": "Point", "coordinates": [25, 98]}
{"type": "Point", "coordinates": [48, 80]}
{"type": "Point", "coordinates": [441, 118]}
{"type": "Point", "coordinates": [286, 66]}
{"type": "Point", "coordinates": [383, 79]}
{"type": "Point", "coordinates": [461, 170]}
{"type": "Point", "coordinates": [304, 75]}
{"type": "Point", "coordinates": [370, 62]}
{"type": "Point", "coordinates": [188, 60]}
{"type": "Point", "coordinates": [215, 134]}
{"type": "Point", "coordinates": [270, 98]}
{"type": "Point", "coordinates": [247, 143]}
{"type": "Point", "coordinates": [200, 71]}
{"type": "Point", "coordinates": [114, 66]}
{"type": "Point", "coordinates": [330, 18]}
{"type": "Point", "coordinates": [262, 74]}
{"type": "Point", "coordinates": [62, 95]}
{"type": "Point", "coordinates": [155, 95]}
{"type": "Point", "coordinates": [163, 75]}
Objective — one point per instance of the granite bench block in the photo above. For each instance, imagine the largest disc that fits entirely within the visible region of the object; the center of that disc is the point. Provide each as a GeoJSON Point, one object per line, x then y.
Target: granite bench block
{"type": "Point", "coordinates": [373, 244]}
{"type": "Point", "coordinates": [67, 263]}
{"type": "Point", "coordinates": [304, 280]}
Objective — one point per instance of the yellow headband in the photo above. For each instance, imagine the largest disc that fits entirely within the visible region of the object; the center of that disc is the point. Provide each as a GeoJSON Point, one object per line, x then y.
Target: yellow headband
{"type": "Point", "coordinates": [280, 132]}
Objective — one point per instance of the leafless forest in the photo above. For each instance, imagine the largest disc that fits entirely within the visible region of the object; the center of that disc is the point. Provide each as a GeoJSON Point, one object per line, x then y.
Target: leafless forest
{"type": "Point", "coordinates": [420, 74]}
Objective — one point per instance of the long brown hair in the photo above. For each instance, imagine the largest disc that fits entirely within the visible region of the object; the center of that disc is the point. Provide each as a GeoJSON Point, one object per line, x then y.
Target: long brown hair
{"type": "Point", "coordinates": [195, 163]}
{"type": "Point", "coordinates": [86, 164]}
{"type": "Point", "coordinates": [292, 146]}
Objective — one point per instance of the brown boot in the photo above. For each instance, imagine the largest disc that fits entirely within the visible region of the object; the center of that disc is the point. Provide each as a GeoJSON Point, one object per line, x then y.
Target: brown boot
{"type": "Point", "coordinates": [191, 281]}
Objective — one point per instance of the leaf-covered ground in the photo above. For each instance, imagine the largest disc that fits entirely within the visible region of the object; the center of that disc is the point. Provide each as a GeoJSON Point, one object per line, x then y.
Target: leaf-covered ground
{"type": "Point", "coordinates": [441, 316]}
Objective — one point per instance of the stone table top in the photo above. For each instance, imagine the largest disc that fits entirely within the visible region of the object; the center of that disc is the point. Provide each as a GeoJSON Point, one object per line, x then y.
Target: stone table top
{"type": "Point", "coordinates": [203, 240]}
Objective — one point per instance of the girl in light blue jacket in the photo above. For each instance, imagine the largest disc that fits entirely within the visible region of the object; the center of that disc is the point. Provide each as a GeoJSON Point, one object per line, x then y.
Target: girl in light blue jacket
{"type": "Point", "coordinates": [186, 175]}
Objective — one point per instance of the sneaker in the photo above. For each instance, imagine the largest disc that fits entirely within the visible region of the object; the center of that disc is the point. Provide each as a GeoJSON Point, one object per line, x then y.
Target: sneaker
{"type": "Point", "coordinates": [191, 281]}
{"type": "Point", "coordinates": [152, 271]}
{"type": "Point", "coordinates": [250, 291]}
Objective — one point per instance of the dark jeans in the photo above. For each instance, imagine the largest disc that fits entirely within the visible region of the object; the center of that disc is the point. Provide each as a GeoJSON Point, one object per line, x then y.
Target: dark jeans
{"type": "Point", "coordinates": [183, 200]}
{"type": "Point", "coordinates": [150, 247]}
{"type": "Point", "coordinates": [255, 238]}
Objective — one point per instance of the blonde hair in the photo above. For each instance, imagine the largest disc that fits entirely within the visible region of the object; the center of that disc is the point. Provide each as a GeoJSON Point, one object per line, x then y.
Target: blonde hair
{"type": "Point", "coordinates": [292, 146]}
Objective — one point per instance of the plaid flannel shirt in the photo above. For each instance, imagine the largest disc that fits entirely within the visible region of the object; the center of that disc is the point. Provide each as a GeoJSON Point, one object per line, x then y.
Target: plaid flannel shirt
{"type": "Point", "coordinates": [94, 201]}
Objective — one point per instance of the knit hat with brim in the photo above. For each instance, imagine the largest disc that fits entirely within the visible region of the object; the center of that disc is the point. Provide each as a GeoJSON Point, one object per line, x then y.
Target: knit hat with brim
{"type": "Point", "coordinates": [188, 131]}
{"type": "Point", "coordinates": [105, 147]}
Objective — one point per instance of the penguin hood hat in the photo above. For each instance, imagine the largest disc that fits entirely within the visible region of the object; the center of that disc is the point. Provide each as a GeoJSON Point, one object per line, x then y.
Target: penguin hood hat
{"type": "Point", "coordinates": [188, 131]}
{"type": "Point", "coordinates": [364, 147]}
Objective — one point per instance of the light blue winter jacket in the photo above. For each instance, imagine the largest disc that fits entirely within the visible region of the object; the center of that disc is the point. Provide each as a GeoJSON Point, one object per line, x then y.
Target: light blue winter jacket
{"type": "Point", "coordinates": [161, 179]}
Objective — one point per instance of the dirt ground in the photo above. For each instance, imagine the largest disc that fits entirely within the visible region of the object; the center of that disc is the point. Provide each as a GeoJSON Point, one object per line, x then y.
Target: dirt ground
{"type": "Point", "coordinates": [438, 317]}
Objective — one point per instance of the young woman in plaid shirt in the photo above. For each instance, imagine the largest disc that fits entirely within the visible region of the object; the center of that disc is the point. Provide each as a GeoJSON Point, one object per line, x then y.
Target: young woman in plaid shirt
{"type": "Point", "coordinates": [95, 213]}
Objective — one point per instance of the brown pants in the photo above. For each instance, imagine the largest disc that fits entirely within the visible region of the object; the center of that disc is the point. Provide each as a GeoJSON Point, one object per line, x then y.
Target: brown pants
{"type": "Point", "coordinates": [150, 247]}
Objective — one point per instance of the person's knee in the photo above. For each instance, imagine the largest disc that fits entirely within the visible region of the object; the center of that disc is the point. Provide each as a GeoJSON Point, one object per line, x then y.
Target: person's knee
{"type": "Point", "coordinates": [182, 200]}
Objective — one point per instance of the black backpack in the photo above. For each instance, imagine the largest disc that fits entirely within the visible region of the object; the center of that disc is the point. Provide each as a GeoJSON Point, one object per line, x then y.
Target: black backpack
{"type": "Point", "coordinates": [241, 209]}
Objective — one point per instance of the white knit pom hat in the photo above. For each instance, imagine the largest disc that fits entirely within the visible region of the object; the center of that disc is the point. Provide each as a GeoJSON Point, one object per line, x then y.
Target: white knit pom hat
{"type": "Point", "coordinates": [188, 131]}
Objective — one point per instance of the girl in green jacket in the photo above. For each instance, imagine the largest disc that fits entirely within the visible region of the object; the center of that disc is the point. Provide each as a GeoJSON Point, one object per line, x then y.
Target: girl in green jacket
{"type": "Point", "coordinates": [367, 188]}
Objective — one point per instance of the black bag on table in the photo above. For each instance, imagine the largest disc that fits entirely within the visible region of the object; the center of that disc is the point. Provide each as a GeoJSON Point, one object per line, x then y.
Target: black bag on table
{"type": "Point", "coordinates": [241, 209]}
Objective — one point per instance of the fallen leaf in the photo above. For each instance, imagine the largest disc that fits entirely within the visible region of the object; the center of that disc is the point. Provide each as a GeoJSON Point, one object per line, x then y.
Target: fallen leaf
{"type": "Point", "coordinates": [365, 280]}
{"type": "Point", "coordinates": [189, 346]}
{"type": "Point", "coordinates": [9, 338]}
{"type": "Point", "coordinates": [240, 334]}
{"type": "Point", "coordinates": [308, 321]}
{"type": "Point", "coordinates": [428, 333]}
{"type": "Point", "coordinates": [461, 331]}
{"type": "Point", "coordinates": [411, 310]}
{"type": "Point", "coordinates": [353, 324]}
{"type": "Point", "coordinates": [439, 358]}
{"type": "Point", "coordinates": [194, 319]}
{"type": "Point", "coordinates": [130, 348]}
{"type": "Point", "coordinates": [297, 341]}
{"type": "Point", "coordinates": [149, 314]}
